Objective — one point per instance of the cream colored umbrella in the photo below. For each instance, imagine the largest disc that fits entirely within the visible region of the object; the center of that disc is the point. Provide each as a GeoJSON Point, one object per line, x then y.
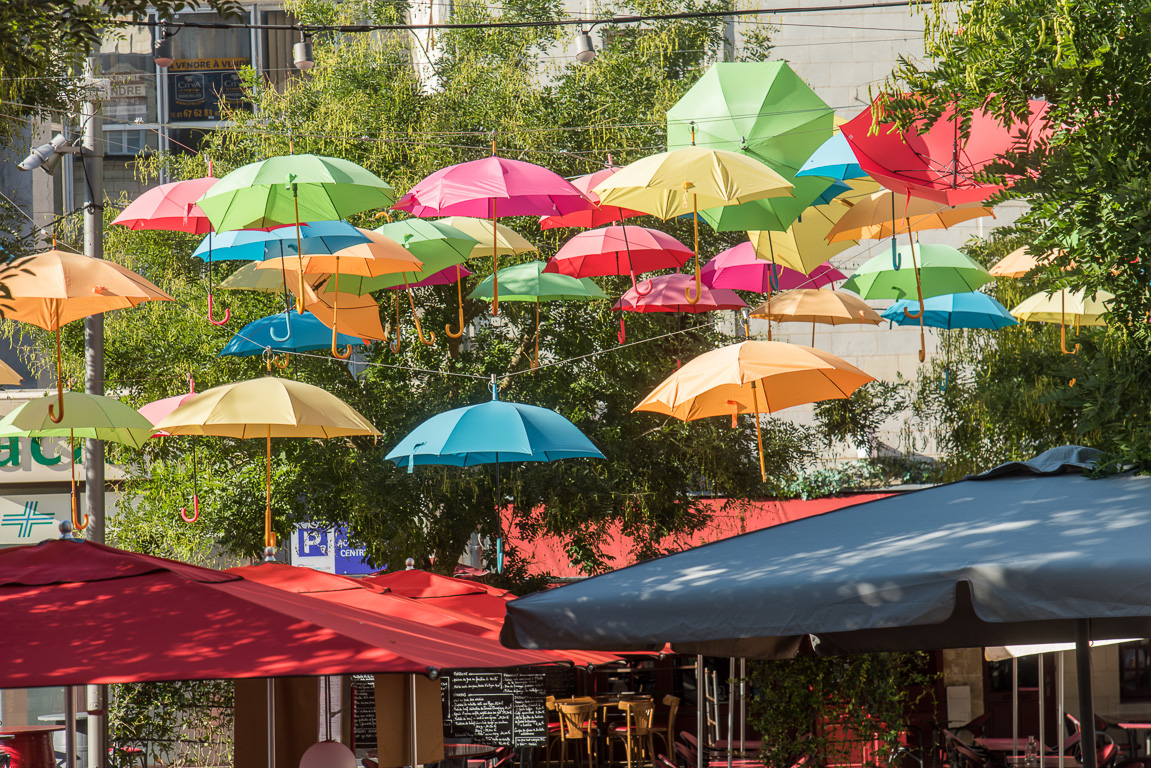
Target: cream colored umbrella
{"type": "Point", "coordinates": [1063, 307]}
{"type": "Point", "coordinates": [265, 408]}
{"type": "Point", "coordinates": [507, 241]}
{"type": "Point", "coordinates": [669, 184]}
{"type": "Point", "coordinates": [1019, 262]}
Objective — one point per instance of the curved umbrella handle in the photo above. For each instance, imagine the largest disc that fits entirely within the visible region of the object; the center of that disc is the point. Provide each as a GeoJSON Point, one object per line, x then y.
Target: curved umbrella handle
{"type": "Point", "coordinates": [943, 385]}
{"type": "Point", "coordinates": [195, 510]}
{"type": "Point", "coordinates": [211, 313]}
{"type": "Point", "coordinates": [914, 315]}
{"type": "Point", "coordinates": [621, 334]}
{"type": "Point", "coordinates": [693, 300]}
{"type": "Point", "coordinates": [1062, 345]}
{"type": "Point", "coordinates": [416, 317]}
{"type": "Point", "coordinates": [336, 351]}
{"type": "Point", "coordinates": [635, 287]}
{"type": "Point", "coordinates": [773, 278]}
{"type": "Point", "coordinates": [896, 258]}
{"type": "Point", "coordinates": [76, 524]}
{"type": "Point", "coordinates": [460, 302]}
{"type": "Point", "coordinates": [57, 414]}
{"type": "Point", "coordinates": [288, 323]}
{"type": "Point", "coordinates": [395, 345]}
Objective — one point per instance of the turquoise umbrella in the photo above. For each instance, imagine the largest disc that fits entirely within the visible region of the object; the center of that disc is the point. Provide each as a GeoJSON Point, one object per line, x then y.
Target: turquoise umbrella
{"type": "Point", "coordinates": [833, 160]}
{"type": "Point", "coordinates": [492, 433]}
{"type": "Point", "coordinates": [303, 334]}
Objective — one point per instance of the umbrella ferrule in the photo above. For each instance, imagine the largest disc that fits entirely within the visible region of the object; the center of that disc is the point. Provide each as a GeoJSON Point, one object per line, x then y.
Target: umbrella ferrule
{"type": "Point", "coordinates": [494, 388]}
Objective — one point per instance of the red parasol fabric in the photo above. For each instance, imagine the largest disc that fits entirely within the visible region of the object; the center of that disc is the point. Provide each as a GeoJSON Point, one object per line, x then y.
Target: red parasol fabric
{"type": "Point", "coordinates": [939, 164]}
{"type": "Point", "coordinates": [623, 250]}
{"type": "Point", "coordinates": [92, 614]}
{"type": "Point", "coordinates": [740, 268]}
{"type": "Point", "coordinates": [170, 207]}
{"type": "Point", "coordinates": [666, 294]}
{"type": "Point", "coordinates": [592, 217]}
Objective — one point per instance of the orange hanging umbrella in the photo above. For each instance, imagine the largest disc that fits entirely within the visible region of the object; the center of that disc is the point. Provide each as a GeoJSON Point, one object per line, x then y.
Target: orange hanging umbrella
{"type": "Point", "coordinates": [753, 377]}
{"type": "Point", "coordinates": [811, 305]}
{"type": "Point", "coordinates": [1020, 261]}
{"type": "Point", "coordinates": [53, 288]}
{"type": "Point", "coordinates": [359, 315]}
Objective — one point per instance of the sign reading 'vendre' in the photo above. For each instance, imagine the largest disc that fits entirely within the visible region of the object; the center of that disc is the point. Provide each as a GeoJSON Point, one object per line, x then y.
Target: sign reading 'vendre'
{"type": "Point", "coordinates": [503, 709]}
{"type": "Point", "coordinates": [197, 88]}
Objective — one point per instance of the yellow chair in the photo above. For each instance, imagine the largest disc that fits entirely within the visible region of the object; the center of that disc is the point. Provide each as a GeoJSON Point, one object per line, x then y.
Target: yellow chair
{"type": "Point", "coordinates": [667, 733]}
{"type": "Point", "coordinates": [577, 723]}
{"type": "Point", "coordinates": [636, 732]}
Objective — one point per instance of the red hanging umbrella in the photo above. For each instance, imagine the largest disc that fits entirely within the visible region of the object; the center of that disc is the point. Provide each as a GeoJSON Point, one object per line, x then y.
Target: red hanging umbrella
{"type": "Point", "coordinates": [88, 613]}
{"type": "Point", "coordinates": [940, 164]}
{"type": "Point", "coordinates": [667, 295]}
{"type": "Point", "coordinates": [597, 216]}
{"type": "Point", "coordinates": [740, 268]}
{"type": "Point", "coordinates": [489, 188]}
{"type": "Point", "coordinates": [623, 250]}
{"type": "Point", "coordinates": [170, 207]}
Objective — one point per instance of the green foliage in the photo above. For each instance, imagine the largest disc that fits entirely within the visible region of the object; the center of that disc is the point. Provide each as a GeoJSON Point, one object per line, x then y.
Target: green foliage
{"type": "Point", "coordinates": [879, 472]}
{"type": "Point", "coordinates": [856, 420]}
{"type": "Point", "coordinates": [195, 729]}
{"type": "Point", "coordinates": [805, 707]}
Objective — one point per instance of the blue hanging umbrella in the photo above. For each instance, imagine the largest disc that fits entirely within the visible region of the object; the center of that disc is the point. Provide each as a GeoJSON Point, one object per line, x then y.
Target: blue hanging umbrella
{"type": "Point", "coordinates": [491, 433]}
{"type": "Point", "coordinates": [833, 160]}
{"type": "Point", "coordinates": [316, 237]}
{"type": "Point", "coordinates": [836, 189]}
{"type": "Point", "coordinates": [954, 310]}
{"type": "Point", "coordinates": [276, 332]}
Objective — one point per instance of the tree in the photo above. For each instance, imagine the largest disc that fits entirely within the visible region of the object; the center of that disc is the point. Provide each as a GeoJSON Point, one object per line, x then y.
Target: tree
{"type": "Point", "coordinates": [1087, 189]}
{"type": "Point", "coordinates": [568, 118]}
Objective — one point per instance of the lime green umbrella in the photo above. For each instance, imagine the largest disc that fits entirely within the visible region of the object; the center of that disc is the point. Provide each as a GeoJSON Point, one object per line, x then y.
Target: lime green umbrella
{"type": "Point", "coordinates": [528, 282]}
{"type": "Point", "coordinates": [940, 270]}
{"type": "Point", "coordinates": [86, 417]}
{"type": "Point", "coordinates": [766, 111]}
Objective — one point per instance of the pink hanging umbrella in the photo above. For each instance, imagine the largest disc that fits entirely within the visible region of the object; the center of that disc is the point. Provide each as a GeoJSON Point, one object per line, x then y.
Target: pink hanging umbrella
{"type": "Point", "coordinates": [592, 217]}
{"type": "Point", "coordinates": [741, 269]}
{"type": "Point", "coordinates": [489, 188]}
{"type": "Point", "coordinates": [157, 410]}
{"type": "Point", "coordinates": [170, 207]}
{"type": "Point", "coordinates": [623, 250]}
{"type": "Point", "coordinates": [666, 295]}
{"type": "Point", "coordinates": [445, 276]}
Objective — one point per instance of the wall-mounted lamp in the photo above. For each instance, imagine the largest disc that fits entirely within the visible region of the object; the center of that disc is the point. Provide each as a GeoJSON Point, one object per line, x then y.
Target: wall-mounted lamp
{"type": "Point", "coordinates": [162, 49]}
{"type": "Point", "coordinates": [47, 156]}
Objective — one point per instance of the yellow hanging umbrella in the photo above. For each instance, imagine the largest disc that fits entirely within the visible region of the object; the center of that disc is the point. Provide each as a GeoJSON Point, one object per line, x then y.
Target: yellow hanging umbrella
{"type": "Point", "coordinates": [804, 246]}
{"type": "Point", "coordinates": [1063, 307]}
{"type": "Point", "coordinates": [669, 184]}
{"type": "Point", "coordinates": [507, 241]}
{"type": "Point", "coordinates": [753, 377]}
{"type": "Point", "coordinates": [886, 214]}
{"type": "Point", "coordinates": [810, 305]}
{"type": "Point", "coordinates": [265, 408]}
{"type": "Point", "coordinates": [249, 278]}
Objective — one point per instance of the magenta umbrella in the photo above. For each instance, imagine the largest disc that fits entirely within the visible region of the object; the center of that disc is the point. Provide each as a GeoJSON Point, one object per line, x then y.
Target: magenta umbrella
{"type": "Point", "coordinates": [666, 294]}
{"type": "Point", "coordinates": [489, 188]}
{"type": "Point", "coordinates": [622, 250]}
{"type": "Point", "coordinates": [741, 269]}
{"type": "Point", "coordinates": [596, 216]}
{"type": "Point", "coordinates": [445, 276]}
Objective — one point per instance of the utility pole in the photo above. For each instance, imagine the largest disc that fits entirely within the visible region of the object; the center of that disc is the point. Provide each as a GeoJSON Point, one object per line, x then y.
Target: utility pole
{"type": "Point", "coordinates": [92, 157]}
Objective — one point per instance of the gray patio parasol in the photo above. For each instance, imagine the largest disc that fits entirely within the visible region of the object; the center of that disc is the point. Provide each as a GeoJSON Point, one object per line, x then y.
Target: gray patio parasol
{"type": "Point", "coordinates": [1025, 553]}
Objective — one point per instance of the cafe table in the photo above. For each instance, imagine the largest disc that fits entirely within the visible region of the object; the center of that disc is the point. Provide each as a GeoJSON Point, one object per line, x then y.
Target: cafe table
{"type": "Point", "coordinates": [30, 746]}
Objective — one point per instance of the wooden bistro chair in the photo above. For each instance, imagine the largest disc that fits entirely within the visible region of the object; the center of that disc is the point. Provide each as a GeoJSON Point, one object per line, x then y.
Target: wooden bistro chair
{"type": "Point", "coordinates": [666, 730]}
{"type": "Point", "coordinates": [636, 732]}
{"type": "Point", "coordinates": [577, 723]}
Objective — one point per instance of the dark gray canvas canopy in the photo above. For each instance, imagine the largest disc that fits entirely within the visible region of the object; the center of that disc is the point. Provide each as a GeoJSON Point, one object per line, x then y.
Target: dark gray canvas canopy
{"type": "Point", "coordinates": [1011, 557]}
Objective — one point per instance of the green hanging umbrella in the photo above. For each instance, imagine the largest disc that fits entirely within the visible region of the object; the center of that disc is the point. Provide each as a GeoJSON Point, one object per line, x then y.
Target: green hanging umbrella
{"type": "Point", "coordinates": [940, 270]}
{"type": "Point", "coordinates": [85, 417]}
{"type": "Point", "coordinates": [528, 282]}
{"type": "Point", "coordinates": [766, 111]}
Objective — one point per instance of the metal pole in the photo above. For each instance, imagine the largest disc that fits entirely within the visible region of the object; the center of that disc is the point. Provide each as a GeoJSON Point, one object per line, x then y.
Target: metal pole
{"type": "Point", "coordinates": [1014, 705]}
{"type": "Point", "coordinates": [1086, 705]}
{"type": "Point", "coordinates": [70, 727]}
{"type": "Point", "coordinates": [1059, 712]}
{"type": "Point", "coordinates": [92, 158]}
{"type": "Point", "coordinates": [271, 722]}
{"type": "Point", "coordinates": [414, 729]}
{"type": "Point", "coordinates": [730, 709]}
{"type": "Point", "coordinates": [742, 706]}
{"type": "Point", "coordinates": [1042, 729]}
{"type": "Point", "coordinates": [701, 700]}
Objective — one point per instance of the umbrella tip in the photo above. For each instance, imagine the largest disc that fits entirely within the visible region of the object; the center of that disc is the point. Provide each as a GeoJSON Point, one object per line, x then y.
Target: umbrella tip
{"type": "Point", "coordinates": [495, 388]}
{"type": "Point", "coordinates": [66, 531]}
{"type": "Point", "coordinates": [410, 564]}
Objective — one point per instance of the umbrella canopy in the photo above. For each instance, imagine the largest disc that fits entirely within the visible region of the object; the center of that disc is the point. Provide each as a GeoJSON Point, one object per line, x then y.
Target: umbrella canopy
{"type": "Point", "coordinates": [248, 278]}
{"type": "Point", "coordinates": [158, 409]}
{"type": "Point", "coordinates": [529, 282]}
{"type": "Point", "coordinates": [433, 239]}
{"type": "Point", "coordinates": [942, 269]}
{"type": "Point", "coordinates": [445, 276]}
{"type": "Point", "coordinates": [945, 162]}
{"type": "Point", "coordinates": [753, 377]}
{"type": "Point", "coordinates": [53, 288]}
{"type": "Point", "coordinates": [813, 306]}
{"type": "Point", "coordinates": [282, 333]}
{"type": "Point", "coordinates": [834, 159]}
{"type": "Point", "coordinates": [138, 618]}
{"type": "Point", "coordinates": [359, 314]}
{"type": "Point", "coordinates": [503, 241]}
{"type": "Point", "coordinates": [1018, 263]}
{"type": "Point", "coordinates": [290, 189]}
{"type": "Point", "coordinates": [171, 207]}
{"type": "Point", "coordinates": [741, 268]}
{"type": "Point", "coordinates": [886, 214]}
{"type": "Point", "coordinates": [597, 215]}
{"type": "Point", "coordinates": [1068, 306]}
{"type": "Point", "coordinates": [666, 293]}
{"type": "Point", "coordinates": [803, 245]}
{"type": "Point", "coordinates": [490, 433]}
{"type": "Point", "coordinates": [765, 110]}
{"type": "Point", "coordinates": [954, 310]}
{"type": "Point", "coordinates": [491, 187]}
{"type": "Point", "coordinates": [315, 237]}
{"type": "Point", "coordinates": [8, 376]}
{"type": "Point", "coordinates": [376, 255]}
{"type": "Point", "coordinates": [622, 250]}
{"type": "Point", "coordinates": [86, 416]}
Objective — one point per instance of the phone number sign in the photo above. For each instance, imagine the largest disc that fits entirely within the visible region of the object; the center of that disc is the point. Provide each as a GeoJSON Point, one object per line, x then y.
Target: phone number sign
{"type": "Point", "coordinates": [199, 88]}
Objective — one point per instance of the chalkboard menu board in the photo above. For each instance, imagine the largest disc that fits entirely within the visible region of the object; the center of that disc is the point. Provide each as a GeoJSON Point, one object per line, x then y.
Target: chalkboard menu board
{"type": "Point", "coordinates": [364, 711]}
{"type": "Point", "coordinates": [503, 709]}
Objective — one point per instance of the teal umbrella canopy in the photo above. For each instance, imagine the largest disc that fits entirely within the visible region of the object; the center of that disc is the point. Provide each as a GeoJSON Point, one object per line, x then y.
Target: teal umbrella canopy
{"type": "Point", "coordinates": [284, 332]}
{"type": "Point", "coordinates": [491, 433]}
{"type": "Point", "coordinates": [954, 310]}
{"type": "Point", "coordinates": [293, 188]}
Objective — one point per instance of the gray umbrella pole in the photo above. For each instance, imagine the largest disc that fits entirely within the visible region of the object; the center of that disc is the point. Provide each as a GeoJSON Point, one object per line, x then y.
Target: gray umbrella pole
{"type": "Point", "coordinates": [1015, 705]}
{"type": "Point", "coordinates": [1042, 733]}
{"type": "Point", "coordinates": [1086, 705]}
{"type": "Point", "coordinates": [1059, 712]}
{"type": "Point", "coordinates": [271, 722]}
{"type": "Point", "coordinates": [70, 727]}
{"type": "Point", "coordinates": [412, 714]}
{"type": "Point", "coordinates": [731, 707]}
{"type": "Point", "coordinates": [700, 700]}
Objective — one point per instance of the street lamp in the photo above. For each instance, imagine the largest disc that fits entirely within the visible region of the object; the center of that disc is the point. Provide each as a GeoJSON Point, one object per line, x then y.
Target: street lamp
{"type": "Point", "coordinates": [46, 156]}
{"type": "Point", "coordinates": [162, 50]}
{"type": "Point", "coordinates": [302, 54]}
{"type": "Point", "coordinates": [585, 50]}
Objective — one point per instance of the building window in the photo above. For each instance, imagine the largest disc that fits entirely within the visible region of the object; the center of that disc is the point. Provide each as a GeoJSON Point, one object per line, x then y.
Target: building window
{"type": "Point", "coordinates": [1135, 671]}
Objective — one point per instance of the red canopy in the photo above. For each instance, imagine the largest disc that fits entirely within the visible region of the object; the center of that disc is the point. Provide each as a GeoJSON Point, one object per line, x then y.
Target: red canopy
{"type": "Point", "coordinates": [939, 164]}
{"type": "Point", "coordinates": [82, 613]}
